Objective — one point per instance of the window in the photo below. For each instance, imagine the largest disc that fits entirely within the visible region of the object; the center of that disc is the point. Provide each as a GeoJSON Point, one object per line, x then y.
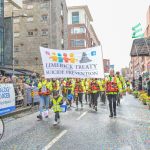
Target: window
{"type": "Point", "coordinates": [62, 41]}
{"type": "Point", "coordinates": [78, 30]}
{"type": "Point", "coordinates": [30, 19]}
{"type": "Point", "coordinates": [78, 43]}
{"type": "Point", "coordinates": [29, 6]}
{"type": "Point", "coordinates": [45, 45]}
{"type": "Point", "coordinates": [75, 17]}
{"type": "Point", "coordinates": [16, 20]}
{"type": "Point", "coordinates": [44, 32]}
{"type": "Point", "coordinates": [1, 8]}
{"type": "Point", "coordinates": [62, 7]}
{"type": "Point", "coordinates": [16, 48]}
{"type": "Point", "coordinates": [44, 5]}
{"type": "Point", "coordinates": [82, 29]}
{"type": "Point", "coordinates": [16, 34]}
{"type": "Point", "coordinates": [30, 33]}
{"type": "Point", "coordinates": [44, 18]}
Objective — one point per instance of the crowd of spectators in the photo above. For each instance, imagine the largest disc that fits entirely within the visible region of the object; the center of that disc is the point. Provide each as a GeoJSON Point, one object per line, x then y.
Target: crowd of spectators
{"type": "Point", "coordinates": [21, 83]}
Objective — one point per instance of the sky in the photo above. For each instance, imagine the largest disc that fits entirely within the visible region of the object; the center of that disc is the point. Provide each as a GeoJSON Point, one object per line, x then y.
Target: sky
{"type": "Point", "coordinates": [113, 21]}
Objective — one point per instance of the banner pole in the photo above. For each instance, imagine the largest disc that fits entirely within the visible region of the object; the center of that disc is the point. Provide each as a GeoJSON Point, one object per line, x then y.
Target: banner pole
{"type": "Point", "coordinates": [102, 57]}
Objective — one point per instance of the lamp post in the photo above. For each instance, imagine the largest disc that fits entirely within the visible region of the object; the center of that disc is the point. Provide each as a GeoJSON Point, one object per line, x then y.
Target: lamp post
{"type": "Point", "coordinates": [12, 22]}
{"type": "Point", "coordinates": [102, 56]}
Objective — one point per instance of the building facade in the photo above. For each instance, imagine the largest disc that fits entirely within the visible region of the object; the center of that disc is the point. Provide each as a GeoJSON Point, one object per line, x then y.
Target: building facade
{"type": "Point", "coordinates": [80, 31]}
{"type": "Point", "coordinates": [147, 31]}
{"type": "Point", "coordinates": [140, 57]}
{"type": "Point", "coordinates": [1, 32]}
{"type": "Point", "coordinates": [38, 23]}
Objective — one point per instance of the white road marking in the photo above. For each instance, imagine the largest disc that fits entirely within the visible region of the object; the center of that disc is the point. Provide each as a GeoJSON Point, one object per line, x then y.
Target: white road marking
{"type": "Point", "coordinates": [47, 147]}
{"type": "Point", "coordinates": [82, 115]}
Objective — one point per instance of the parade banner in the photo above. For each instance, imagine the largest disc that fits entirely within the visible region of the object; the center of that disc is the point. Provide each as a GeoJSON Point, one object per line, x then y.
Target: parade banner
{"type": "Point", "coordinates": [84, 63]}
{"type": "Point", "coordinates": [7, 98]}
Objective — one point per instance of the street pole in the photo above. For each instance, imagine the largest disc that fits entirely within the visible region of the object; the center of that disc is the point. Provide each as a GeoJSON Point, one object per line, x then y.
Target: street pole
{"type": "Point", "coordinates": [102, 57]}
{"type": "Point", "coordinates": [12, 21]}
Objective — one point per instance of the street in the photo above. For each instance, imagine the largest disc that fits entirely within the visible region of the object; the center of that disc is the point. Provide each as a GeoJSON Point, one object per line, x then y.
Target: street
{"type": "Point", "coordinates": [82, 130]}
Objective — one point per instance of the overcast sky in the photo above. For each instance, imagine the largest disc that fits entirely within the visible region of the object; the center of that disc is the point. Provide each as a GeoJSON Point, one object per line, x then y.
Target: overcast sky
{"type": "Point", "coordinates": [113, 20]}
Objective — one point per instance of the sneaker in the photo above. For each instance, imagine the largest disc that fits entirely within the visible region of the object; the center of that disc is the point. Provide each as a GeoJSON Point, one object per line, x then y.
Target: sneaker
{"type": "Point", "coordinates": [95, 108]}
{"type": "Point", "coordinates": [39, 117]}
{"type": "Point", "coordinates": [55, 123]}
{"type": "Point", "coordinates": [111, 116]}
{"type": "Point", "coordinates": [115, 115]}
{"type": "Point", "coordinates": [76, 109]}
{"type": "Point", "coordinates": [46, 116]}
{"type": "Point", "coordinates": [58, 120]}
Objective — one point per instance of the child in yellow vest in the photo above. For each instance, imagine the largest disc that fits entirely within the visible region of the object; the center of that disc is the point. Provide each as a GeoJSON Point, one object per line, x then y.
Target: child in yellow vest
{"type": "Point", "coordinates": [56, 103]}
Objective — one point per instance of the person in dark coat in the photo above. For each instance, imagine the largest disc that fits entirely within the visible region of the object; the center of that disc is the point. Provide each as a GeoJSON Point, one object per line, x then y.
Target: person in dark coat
{"type": "Point", "coordinates": [140, 83]}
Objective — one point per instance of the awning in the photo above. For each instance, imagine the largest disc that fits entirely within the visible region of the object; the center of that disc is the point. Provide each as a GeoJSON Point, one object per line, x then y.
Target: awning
{"type": "Point", "coordinates": [10, 72]}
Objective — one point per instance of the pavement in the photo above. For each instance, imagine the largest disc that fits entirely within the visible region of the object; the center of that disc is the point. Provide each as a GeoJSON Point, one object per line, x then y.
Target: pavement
{"type": "Point", "coordinates": [82, 130]}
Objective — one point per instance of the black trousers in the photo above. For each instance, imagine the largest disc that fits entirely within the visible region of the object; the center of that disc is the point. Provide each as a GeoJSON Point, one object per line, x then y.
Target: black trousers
{"type": "Point", "coordinates": [87, 96]}
{"type": "Point", "coordinates": [57, 116]}
{"type": "Point", "coordinates": [103, 96]}
{"type": "Point", "coordinates": [112, 103]}
{"type": "Point", "coordinates": [94, 97]}
{"type": "Point", "coordinates": [79, 98]}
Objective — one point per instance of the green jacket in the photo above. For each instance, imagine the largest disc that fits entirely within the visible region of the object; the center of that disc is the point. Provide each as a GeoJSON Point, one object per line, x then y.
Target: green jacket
{"type": "Point", "coordinates": [56, 103]}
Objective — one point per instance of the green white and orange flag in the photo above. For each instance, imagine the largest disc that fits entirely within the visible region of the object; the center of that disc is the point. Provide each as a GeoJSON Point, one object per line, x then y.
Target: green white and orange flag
{"type": "Point", "coordinates": [137, 31]}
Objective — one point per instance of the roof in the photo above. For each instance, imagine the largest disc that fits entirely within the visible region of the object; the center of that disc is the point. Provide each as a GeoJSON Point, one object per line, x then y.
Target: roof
{"type": "Point", "coordinates": [140, 47]}
{"type": "Point", "coordinates": [85, 7]}
{"type": "Point", "coordinates": [10, 72]}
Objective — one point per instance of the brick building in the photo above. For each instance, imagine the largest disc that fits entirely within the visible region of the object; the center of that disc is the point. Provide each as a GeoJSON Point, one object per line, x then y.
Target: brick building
{"type": "Point", "coordinates": [45, 25]}
{"type": "Point", "coordinates": [80, 30]}
{"type": "Point", "coordinates": [140, 57]}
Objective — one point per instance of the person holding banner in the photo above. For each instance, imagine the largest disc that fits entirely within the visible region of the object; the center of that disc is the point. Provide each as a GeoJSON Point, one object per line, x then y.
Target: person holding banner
{"type": "Point", "coordinates": [94, 88]}
{"type": "Point", "coordinates": [44, 92]}
{"type": "Point", "coordinates": [69, 91]}
{"type": "Point", "coordinates": [112, 89]}
{"type": "Point", "coordinates": [55, 85]}
{"type": "Point", "coordinates": [79, 90]}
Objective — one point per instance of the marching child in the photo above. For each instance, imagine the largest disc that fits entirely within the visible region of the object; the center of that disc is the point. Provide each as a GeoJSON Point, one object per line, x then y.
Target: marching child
{"type": "Point", "coordinates": [56, 103]}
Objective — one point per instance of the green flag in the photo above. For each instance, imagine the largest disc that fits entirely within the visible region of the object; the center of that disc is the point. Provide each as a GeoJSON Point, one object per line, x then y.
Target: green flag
{"type": "Point", "coordinates": [137, 31]}
{"type": "Point", "coordinates": [135, 27]}
{"type": "Point", "coordinates": [138, 36]}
